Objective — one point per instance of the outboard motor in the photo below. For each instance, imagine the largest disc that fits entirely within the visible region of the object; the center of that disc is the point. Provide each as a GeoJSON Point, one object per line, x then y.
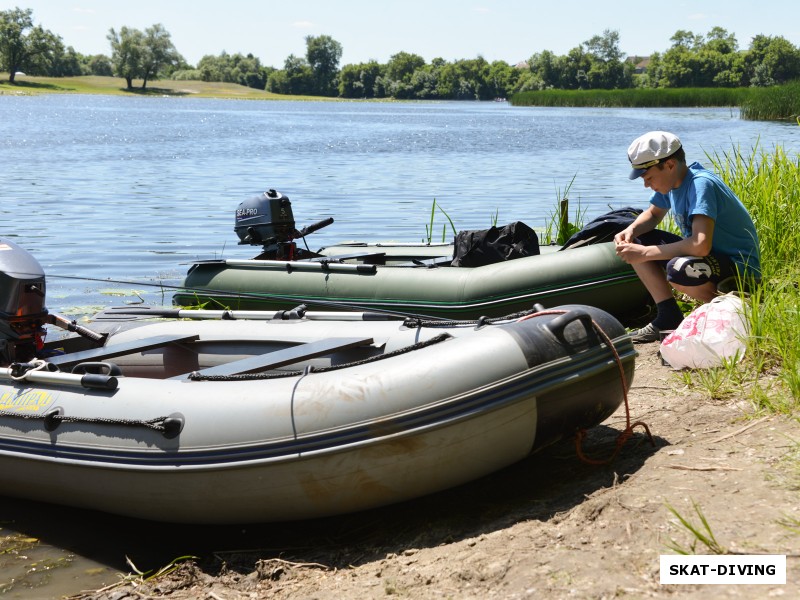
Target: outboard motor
{"type": "Point", "coordinates": [267, 220]}
{"type": "Point", "coordinates": [22, 310]}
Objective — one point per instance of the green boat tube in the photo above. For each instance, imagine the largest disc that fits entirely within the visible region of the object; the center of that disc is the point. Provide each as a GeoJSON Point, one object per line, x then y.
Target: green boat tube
{"type": "Point", "coordinates": [418, 280]}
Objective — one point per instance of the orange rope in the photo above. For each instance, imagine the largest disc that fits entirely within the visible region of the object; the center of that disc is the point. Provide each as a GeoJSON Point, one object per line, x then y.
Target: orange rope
{"type": "Point", "coordinates": [626, 433]}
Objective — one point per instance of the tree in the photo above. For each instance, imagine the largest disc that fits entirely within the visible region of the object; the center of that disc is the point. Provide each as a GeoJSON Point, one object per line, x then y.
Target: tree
{"type": "Point", "coordinates": [544, 69]}
{"type": "Point", "coordinates": [686, 40]}
{"type": "Point", "coordinates": [100, 64]}
{"type": "Point", "coordinates": [24, 46]}
{"type": "Point", "coordinates": [64, 62]}
{"type": "Point", "coordinates": [135, 54]}
{"type": "Point", "coordinates": [158, 52]}
{"type": "Point", "coordinates": [772, 60]}
{"type": "Point", "coordinates": [606, 70]}
{"type": "Point", "coordinates": [127, 49]}
{"type": "Point", "coordinates": [401, 66]}
{"type": "Point", "coordinates": [502, 79]}
{"type": "Point", "coordinates": [358, 81]}
{"type": "Point", "coordinates": [323, 54]}
{"type": "Point", "coordinates": [296, 77]}
{"type": "Point", "coordinates": [719, 40]}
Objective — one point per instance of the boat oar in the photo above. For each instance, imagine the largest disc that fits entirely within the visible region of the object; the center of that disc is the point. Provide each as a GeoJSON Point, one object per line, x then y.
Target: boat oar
{"type": "Point", "coordinates": [257, 295]}
{"type": "Point", "coordinates": [125, 313]}
{"type": "Point", "coordinates": [64, 323]}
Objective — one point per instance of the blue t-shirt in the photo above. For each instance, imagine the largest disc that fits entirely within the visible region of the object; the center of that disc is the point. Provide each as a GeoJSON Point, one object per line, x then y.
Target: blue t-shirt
{"type": "Point", "coordinates": [702, 192]}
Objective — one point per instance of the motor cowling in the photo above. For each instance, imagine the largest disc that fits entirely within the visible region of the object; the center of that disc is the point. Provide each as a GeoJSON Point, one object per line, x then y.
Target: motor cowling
{"type": "Point", "coordinates": [22, 303]}
{"type": "Point", "coordinates": [265, 220]}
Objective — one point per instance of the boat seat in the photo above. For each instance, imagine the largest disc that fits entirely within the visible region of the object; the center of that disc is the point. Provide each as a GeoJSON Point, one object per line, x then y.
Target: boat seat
{"type": "Point", "coordinates": [437, 261]}
{"type": "Point", "coordinates": [280, 358]}
{"type": "Point", "coordinates": [106, 352]}
{"type": "Point", "coordinates": [339, 257]}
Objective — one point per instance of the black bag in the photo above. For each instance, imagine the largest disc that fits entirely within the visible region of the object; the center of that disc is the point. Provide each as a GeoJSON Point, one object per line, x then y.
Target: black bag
{"type": "Point", "coordinates": [603, 228]}
{"type": "Point", "coordinates": [475, 248]}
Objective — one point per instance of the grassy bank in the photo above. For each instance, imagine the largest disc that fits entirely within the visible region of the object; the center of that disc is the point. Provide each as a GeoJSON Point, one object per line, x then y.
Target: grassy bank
{"type": "Point", "coordinates": [769, 185]}
{"type": "Point", "coordinates": [115, 86]}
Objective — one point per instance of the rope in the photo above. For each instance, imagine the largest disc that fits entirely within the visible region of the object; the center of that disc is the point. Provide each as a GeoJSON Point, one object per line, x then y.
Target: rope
{"type": "Point", "coordinates": [20, 371]}
{"type": "Point", "coordinates": [414, 322]}
{"type": "Point", "coordinates": [156, 424]}
{"type": "Point", "coordinates": [626, 433]}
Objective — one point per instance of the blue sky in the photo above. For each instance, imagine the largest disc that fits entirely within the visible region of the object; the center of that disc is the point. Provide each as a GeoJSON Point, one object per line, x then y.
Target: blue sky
{"type": "Point", "coordinates": [509, 30]}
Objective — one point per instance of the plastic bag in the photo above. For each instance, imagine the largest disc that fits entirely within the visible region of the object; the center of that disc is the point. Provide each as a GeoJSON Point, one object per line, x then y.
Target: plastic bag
{"type": "Point", "coordinates": [710, 334]}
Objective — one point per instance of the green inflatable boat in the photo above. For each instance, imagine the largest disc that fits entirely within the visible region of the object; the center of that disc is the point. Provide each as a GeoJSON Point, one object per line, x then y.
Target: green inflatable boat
{"type": "Point", "coordinates": [417, 279]}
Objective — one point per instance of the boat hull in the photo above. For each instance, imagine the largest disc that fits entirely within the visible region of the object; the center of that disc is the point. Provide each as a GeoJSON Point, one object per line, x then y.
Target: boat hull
{"type": "Point", "coordinates": [592, 275]}
{"type": "Point", "coordinates": [326, 436]}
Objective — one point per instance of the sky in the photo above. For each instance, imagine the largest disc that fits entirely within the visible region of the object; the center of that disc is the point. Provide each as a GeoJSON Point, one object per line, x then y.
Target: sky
{"type": "Point", "coordinates": [507, 30]}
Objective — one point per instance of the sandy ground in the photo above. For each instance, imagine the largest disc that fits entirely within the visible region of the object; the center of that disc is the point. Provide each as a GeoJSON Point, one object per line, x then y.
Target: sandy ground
{"type": "Point", "coordinates": [550, 526]}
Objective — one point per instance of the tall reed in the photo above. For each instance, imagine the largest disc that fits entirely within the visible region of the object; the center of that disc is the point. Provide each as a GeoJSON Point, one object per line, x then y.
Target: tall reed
{"type": "Point", "coordinates": [779, 102]}
{"type": "Point", "coordinates": [634, 97]}
{"type": "Point", "coordinates": [768, 183]}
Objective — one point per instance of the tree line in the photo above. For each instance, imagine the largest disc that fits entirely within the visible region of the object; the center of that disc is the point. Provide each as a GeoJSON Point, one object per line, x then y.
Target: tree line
{"type": "Point", "coordinates": [693, 60]}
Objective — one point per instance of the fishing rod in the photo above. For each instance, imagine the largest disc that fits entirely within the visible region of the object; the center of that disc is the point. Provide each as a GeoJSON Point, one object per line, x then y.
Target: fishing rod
{"type": "Point", "coordinates": [254, 295]}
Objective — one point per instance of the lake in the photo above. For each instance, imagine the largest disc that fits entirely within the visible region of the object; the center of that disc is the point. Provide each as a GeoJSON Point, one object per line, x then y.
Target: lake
{"type": "Point", "coordinates": [133, 189]}
{"type": "Point", "coordinates": [127, 191]}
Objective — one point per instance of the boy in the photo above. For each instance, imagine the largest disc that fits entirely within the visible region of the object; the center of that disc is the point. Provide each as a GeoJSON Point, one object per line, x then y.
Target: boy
{"type": "Point", "coordinates": [718, 238]}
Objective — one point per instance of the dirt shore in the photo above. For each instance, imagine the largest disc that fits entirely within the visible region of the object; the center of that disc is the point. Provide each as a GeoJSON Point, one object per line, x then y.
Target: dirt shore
{"type": "Point", "coordinates": [551, 526]}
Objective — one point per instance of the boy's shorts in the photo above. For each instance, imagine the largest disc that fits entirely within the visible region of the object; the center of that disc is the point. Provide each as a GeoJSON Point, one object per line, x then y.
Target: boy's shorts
{"type": "Point", "coordinates": [690, 271]}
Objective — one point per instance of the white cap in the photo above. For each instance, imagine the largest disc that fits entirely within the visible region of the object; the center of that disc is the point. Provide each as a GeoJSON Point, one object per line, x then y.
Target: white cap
{"type": "Point", "coordinates": [650, 149]}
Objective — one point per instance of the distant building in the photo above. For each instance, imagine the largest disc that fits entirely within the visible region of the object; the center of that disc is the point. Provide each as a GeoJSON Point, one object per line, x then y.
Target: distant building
{"type": "Point", "coordinates": [640, 63]}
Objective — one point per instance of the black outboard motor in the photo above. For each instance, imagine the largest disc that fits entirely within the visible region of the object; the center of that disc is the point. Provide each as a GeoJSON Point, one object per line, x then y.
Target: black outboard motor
{"type": "Point", "coordinates": [267, 220]}
{"type": "Point", "coordinates": [22, 310]}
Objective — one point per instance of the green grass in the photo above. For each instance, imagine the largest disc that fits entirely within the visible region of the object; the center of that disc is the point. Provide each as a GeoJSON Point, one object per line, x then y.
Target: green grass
{"type": "Point", "coordinates": [769, 185]}
{"type": "Point", "coordinates": [25, 85]}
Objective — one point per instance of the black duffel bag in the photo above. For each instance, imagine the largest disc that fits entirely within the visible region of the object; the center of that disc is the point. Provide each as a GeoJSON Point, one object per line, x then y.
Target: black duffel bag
{"type": "Point", "coordinates": [475, 248]}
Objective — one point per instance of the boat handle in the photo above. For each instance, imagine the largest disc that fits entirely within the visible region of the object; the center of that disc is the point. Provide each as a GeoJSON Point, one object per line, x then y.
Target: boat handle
{"type": "Point", "coordinates": [558, 324]}
{"type": "Point", "coordinates": [97, 368]}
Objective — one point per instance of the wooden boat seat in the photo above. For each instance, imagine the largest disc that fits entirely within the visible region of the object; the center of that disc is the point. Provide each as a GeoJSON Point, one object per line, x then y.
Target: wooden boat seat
{"type": "Point", "coordinates": [106, 352]}
{"type": "Point", "coordinates": [280, 358]}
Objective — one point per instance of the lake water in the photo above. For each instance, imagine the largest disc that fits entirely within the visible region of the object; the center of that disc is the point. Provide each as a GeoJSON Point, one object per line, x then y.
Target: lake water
{"type": "Point", "coordinates": [133, 189]}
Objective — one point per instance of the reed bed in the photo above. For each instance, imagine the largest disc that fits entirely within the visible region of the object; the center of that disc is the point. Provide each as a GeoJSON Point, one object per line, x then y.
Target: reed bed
{"type": "Point", "coordinates": [635, 97]}
{"type": "Point", "coordinates": [774, 103]}
{"type": "Point", "coordinates": [768, 182]}
{"type": "Point", "coordinates": [780, 102]}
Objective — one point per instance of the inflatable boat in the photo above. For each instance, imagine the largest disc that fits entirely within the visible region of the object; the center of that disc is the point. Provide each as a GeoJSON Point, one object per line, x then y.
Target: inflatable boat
{"type": "Point", "coordinates": [407, 278]}
{"type": "Point", "coordinates": [272, 416]}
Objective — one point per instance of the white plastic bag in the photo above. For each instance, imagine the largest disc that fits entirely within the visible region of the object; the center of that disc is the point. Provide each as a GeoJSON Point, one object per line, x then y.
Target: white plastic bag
{"type": "Point", "coordinates": [709, 334]}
